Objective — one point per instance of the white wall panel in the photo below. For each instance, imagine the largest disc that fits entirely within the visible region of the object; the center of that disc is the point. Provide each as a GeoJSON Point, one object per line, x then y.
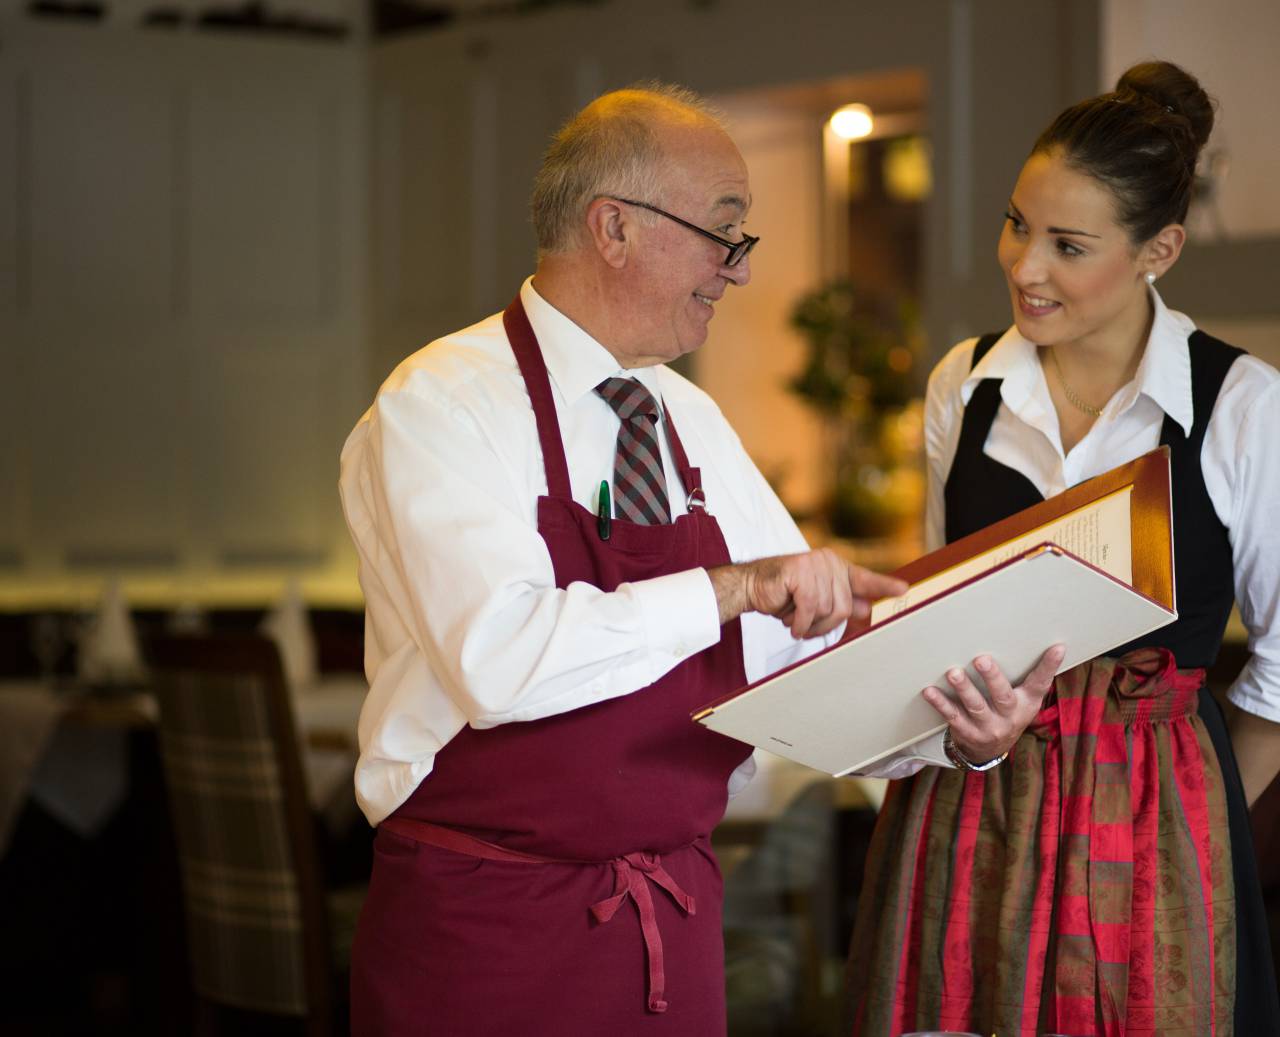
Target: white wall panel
{"type": "Point", "coordinates": [182, 344]}
{"type": "Point", "coordinates": [13, 483]}
{"type": "Point", "coordinates": [12, 203]}
{"type": "Point", "coordinates": [105, 427]}
{"type": "Point", "coordinates": [13, 488]}
{"type": "Point", "coordinates": [534, 101]}
{"type": "Point", "coordinates": [433, 240]}
{"type": "Point", "coordinates": [263, 457]}
{"type": "Point", "coordinates": [258, 229]}
{"type": "Point", "coordinates": [101, 188]}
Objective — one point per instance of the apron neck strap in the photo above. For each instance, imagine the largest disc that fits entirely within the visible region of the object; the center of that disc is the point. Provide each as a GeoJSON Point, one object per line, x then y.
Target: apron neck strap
{"type": "Point", "coordinates": [534, 371]}
{"type": "Point", "coordinates": [690, 476]}
{"type": "Point", "coordinates": [524, 343]}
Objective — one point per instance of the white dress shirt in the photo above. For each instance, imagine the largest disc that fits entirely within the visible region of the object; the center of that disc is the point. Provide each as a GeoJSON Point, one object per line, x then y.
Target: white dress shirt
{"type": "Point", "coordinates": [1239, 460]}
{"type": "Point", "coordinates": [464, 623]}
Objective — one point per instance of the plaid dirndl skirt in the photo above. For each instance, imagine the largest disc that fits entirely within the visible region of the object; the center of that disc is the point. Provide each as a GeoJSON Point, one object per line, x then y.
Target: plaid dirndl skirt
{"type": "Point", "coordinates": [1083, 887]}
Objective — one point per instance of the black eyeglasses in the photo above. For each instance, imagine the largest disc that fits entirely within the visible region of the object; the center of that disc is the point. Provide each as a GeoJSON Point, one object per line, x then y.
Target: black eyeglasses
{"type": "Point", "coordinates": [737, 249]}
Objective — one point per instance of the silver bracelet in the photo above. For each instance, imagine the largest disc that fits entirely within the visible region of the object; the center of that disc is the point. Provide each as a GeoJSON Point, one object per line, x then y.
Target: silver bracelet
{"type": "Point", "coordinates": [963, 762]}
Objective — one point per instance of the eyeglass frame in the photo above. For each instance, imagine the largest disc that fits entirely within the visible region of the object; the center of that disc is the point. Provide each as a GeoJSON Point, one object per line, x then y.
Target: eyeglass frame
{"type": "Point", "coordinates": [738, 250]}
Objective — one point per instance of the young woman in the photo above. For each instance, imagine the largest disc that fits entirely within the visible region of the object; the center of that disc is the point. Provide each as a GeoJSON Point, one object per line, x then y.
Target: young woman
{"type": "Point", "coordinates": [1101, 880]}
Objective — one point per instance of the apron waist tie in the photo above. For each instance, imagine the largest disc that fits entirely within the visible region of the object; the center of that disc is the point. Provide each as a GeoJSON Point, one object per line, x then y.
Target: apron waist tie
{"type": "Point", "coordinates": [630, 872]}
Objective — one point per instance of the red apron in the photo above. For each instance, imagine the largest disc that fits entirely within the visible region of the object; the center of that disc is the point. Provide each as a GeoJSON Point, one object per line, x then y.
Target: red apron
{"type": "Point", "coordinates": [556, 876]}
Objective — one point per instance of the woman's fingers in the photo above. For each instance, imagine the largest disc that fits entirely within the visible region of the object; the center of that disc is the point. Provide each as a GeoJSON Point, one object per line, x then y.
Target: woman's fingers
{"type": "Point", "coordinates": [984, 727]}
{"type": "Point", "coordinates": [973, 701]}
{"type": "Point", "coordinates": [1004, 699]}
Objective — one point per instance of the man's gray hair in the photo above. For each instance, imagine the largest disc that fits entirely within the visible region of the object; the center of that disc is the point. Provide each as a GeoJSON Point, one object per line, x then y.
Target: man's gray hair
{"type": "Point", "coordinates": [609, 148]}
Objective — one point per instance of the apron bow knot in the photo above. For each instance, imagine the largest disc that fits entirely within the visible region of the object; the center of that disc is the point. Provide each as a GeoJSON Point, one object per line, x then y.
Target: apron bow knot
{"type": "Point", "coordinates": [630, 873]}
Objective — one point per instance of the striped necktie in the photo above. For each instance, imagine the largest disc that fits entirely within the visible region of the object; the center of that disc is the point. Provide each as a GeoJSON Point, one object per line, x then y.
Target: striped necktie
{"type": "Point", "coordinates": [639, 486]}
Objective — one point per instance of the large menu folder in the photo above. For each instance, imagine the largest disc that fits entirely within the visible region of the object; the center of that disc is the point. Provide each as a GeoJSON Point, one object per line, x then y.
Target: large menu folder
{"type": "Point", "coordinates": [1091, 568]}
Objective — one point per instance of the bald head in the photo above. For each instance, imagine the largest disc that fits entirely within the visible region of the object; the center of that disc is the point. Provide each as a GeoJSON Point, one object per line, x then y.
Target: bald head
{"type": "Point", "coordinates": [614, 147]}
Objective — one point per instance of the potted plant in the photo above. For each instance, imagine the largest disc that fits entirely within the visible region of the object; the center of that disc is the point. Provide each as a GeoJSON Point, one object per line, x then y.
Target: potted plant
{"type": "Point", "coordinates": [860, 375]}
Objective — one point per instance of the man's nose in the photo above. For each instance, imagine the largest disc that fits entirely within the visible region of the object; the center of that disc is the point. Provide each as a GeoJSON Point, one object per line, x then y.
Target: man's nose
{"type": "Point", "coordinates": [740, 273]}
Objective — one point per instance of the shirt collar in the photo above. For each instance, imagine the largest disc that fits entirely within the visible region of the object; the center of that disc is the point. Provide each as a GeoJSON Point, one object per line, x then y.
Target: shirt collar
{"type": "Point", "coordinates": [1163, 375]}
{"type": "Point", "coordinates": [575, 361]}
{"type": "Point", "coordinates": [1010, 359]}
{"type": "Point", "coordinates": [1013, 360]}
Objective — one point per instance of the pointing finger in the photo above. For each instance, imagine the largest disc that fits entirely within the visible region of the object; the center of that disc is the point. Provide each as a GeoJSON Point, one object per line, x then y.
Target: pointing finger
{"type": "Point", "coordinates": [873, 585]}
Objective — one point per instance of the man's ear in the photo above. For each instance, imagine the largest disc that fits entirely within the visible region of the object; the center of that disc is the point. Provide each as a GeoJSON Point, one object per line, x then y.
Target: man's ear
{"type": "Point", "coordinates": [1163, 250]}
{"type": "Point", "coordinates": [609, 227]}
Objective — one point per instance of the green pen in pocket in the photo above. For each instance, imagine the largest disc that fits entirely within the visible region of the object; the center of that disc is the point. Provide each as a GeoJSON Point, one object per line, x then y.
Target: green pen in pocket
{"type": "Point", "coordinates": [603, 511]}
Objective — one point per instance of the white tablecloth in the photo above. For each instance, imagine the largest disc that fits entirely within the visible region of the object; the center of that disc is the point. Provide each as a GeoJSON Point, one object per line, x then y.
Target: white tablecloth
{"type": "Point", "coordinates": [79, 773]}
{"type": "Point", "coordinates": [29, 715]}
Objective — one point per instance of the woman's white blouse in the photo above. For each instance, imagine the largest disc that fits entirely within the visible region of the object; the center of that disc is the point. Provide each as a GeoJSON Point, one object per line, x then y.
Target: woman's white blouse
{"type": "Point", "coordinates": [1240, 458]}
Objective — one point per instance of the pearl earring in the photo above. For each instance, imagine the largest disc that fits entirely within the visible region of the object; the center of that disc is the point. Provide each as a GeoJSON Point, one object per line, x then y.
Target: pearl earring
{"type": "Point", "coordinates": [1151, 277]}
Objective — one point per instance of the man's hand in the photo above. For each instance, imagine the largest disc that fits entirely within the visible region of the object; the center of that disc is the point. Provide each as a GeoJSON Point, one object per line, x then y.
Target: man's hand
{"type": "Point", "coordinates": [983, 729]}
{"type": "Point", "coordinates": [813, 593]}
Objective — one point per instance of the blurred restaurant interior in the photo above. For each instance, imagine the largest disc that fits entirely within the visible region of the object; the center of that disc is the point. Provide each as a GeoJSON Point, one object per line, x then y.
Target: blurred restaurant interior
{"type": "Point", "coordinates": [223, 225]}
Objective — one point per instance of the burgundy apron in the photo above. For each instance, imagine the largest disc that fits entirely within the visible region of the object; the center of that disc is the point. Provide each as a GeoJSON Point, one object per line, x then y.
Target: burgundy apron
{"type": "Point", "coordinates": [555, 877]}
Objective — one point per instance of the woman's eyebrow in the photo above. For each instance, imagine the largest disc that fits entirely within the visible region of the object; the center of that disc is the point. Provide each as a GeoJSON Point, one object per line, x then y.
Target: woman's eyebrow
{"type": "Point", "coordinates": [1056, 230]}
{"type": "Point", "coordinates": [1066, 230]}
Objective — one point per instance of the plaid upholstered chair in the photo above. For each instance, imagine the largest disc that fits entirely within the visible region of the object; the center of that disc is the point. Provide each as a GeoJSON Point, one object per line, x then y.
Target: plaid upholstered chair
{"type": "Point", "coordinates": [259, 923]}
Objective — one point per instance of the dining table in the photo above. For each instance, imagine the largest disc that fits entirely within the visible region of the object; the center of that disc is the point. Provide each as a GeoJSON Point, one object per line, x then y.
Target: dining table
{"type": "Point", "coordinates": [65, 747]}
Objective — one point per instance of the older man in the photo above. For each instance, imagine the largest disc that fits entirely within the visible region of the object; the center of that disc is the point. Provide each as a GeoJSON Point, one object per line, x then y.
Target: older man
{"type": "Point", "coordinates": [536, 643]}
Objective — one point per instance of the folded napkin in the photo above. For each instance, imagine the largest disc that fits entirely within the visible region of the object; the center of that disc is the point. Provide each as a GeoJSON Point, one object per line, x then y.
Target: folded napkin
{"type": "Point", "coordinates": [289, 625]}
{"type": "Point", "coordinates": [109, 651]}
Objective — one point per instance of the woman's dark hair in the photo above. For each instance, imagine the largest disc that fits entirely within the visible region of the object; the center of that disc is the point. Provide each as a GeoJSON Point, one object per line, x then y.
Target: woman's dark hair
{"type": "Point", "coordinates": [1142, 140]}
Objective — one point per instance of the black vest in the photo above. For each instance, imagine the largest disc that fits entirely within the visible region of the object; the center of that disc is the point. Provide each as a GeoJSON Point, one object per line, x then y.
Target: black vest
{"type": "Point", "coordinates": [981, 491]}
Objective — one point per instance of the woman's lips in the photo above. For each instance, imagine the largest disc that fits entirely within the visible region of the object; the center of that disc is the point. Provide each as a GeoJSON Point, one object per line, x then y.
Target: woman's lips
{"type": "Point", "coordinates": [1035, 305]}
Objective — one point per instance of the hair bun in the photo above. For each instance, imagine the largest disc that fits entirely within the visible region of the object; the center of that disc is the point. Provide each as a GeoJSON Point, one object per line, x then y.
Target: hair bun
{"type": "Point", "coordinates": [1141, 141]}
{"type": "Point", "coordinates": [1175, 89]}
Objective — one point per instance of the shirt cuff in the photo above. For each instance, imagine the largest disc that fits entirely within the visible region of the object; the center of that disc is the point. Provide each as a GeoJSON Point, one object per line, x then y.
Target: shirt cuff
{"type": "Point", "coordinates": [1250, 691]}
{"type": "Point", "coordinates": [929, 750]}
{"type": "Point", "coordinates": [742, 775]}
{"type": "Point", "coordinates": [679, 613]}
{"type": "Point", "coordinates": [925, 753]}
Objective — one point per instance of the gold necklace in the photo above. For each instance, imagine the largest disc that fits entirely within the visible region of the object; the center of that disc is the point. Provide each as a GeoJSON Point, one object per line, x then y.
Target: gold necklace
{"type": "Point", "coordinates": [1070, 393]}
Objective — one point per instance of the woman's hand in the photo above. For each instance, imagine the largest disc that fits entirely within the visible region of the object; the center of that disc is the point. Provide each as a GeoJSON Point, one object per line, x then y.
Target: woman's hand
{"type": "Point", "coordinates": [984, 727]}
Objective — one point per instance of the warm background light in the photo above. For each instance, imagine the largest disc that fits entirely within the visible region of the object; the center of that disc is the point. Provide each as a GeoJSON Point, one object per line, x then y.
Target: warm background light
{"type": "Point", "coordinates": [851, 122]}
{"type": "Point", "coordinates": [907, 174]}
